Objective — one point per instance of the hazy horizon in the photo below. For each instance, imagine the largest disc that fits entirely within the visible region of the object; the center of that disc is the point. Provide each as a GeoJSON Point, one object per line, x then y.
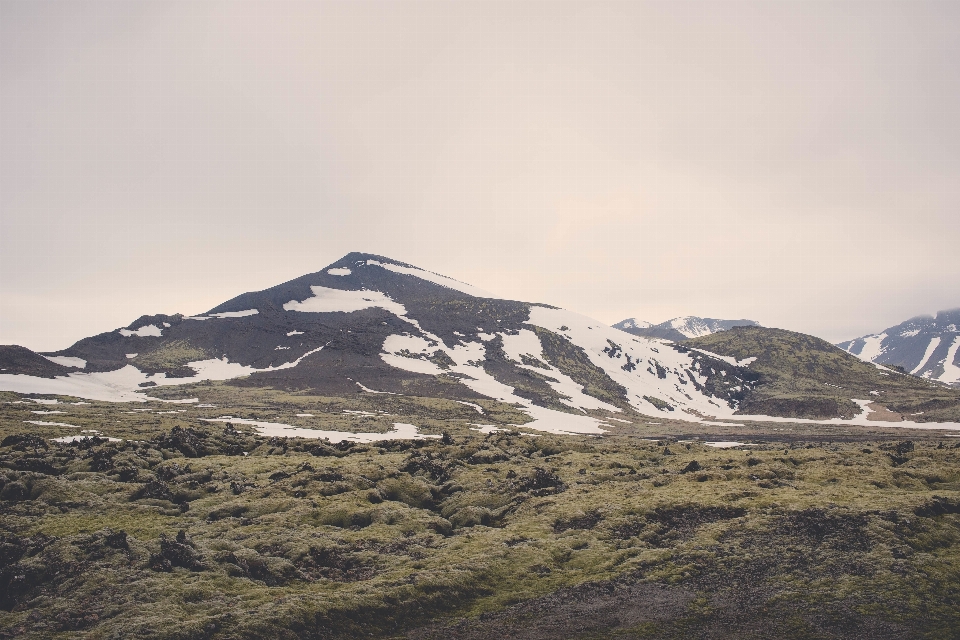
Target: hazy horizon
{"type": "Point", "coordinates": [793, 163]}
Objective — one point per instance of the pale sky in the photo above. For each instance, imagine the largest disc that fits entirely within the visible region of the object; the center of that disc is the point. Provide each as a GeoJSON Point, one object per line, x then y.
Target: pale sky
{"type": "Point", "coordinates": [796, 163]}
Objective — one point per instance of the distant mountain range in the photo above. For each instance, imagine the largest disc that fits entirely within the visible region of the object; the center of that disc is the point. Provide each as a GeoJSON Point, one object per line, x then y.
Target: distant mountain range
{"type": "Point", "coordinates": [925, 346]}
{"type": "Point", "coordinates": [682, 328]}
{"type": "Point", "coordinates": [368, 324]}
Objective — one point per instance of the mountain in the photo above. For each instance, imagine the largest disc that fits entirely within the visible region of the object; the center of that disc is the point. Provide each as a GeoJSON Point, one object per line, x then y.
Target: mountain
{"type": "Point", "coordinates": [632, 323]}
{"type": "Point", "coordinates": [925, 346]}
{"type": "Point", "coordinates": [797, 375]}
{"type": "Point", "coordinates": [680, 328]}
{"type": "Point", "coordinates": [368, 324]}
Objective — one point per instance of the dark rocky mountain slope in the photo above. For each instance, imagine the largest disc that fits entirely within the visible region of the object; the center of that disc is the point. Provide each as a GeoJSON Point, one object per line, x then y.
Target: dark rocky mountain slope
{"type": "Point", "coordinates": [925, 346]}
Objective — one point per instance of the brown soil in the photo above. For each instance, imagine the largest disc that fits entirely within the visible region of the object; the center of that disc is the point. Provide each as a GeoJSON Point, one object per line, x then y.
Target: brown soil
{"type": "Point", "coordinates": [879, 413]}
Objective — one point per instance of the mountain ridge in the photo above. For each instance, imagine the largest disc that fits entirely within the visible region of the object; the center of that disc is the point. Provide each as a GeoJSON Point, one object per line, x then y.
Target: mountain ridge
{"type": "Point", "coordinates": [680, 328]}
{"type": "Point", "coordinates": [925, 345]}
{"type": "Point", "coordinates": [369, 324]}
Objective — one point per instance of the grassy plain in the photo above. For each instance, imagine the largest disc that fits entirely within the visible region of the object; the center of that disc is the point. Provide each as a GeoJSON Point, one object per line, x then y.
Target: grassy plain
{"type": "Point", "coordinates": [194, 529]}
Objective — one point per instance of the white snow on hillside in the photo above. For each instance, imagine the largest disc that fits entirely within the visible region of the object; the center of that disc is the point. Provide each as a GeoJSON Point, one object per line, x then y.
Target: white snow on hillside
{"type": "Point", "coordinates": [235, 314]}
{"type": "Point", "coordinates": [435, 278]}
{"type": "Point", "coordinates": [469, 357]}
{"type": "Point", "coordinates": [676, 389]}
{"type": "Point", "coordinates": [122, 385]}
{"type": "Point", "coordinates": [931, 347]}
{"type": "Point", "coordinates": [400, 431]}
{"type": "Point", "coordinates": [872, 347]}
{"type": "Point", "coordinates": [691, 327]}
{"type": "Point", "coordinates": [225, 314]}
{"type": "Point", "coordinates": [68, 361]}
{"type": "Point", "coordinates": [728, 359]}
{"type": "Point", "coordinates": [150, 330]}
{"type": "Point", "coordinates": [951, 372]}
{"type": "Point", "coordinates": [339, 272]}
{"type": "Point", "coordinates": [326, 300]}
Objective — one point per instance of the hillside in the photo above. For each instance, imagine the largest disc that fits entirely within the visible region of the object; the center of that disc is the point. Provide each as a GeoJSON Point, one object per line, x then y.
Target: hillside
{"type": "Point", "coordinates": [802, 376]}
{"type": "Point", "coordinates": [369, 324]}
{"type": "Point", "coordinates": [376, 451]}
{"type": "Point", "coordinates": [681, 328]}
{"type": "Point", "coordinates": [925, 346]}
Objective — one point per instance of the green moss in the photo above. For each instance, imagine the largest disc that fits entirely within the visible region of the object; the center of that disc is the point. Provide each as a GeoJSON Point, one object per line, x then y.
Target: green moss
{"type": "Point", "coordinates": [170, 355]}
{"type": "Point", "coordinates": [299, 538]}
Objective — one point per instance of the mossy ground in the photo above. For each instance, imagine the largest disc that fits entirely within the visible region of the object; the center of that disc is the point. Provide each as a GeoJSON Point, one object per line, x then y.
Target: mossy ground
{"type": "Point", "coordinates": [812, 532]}
{"type": "Point", "coordinates": [801, 376]}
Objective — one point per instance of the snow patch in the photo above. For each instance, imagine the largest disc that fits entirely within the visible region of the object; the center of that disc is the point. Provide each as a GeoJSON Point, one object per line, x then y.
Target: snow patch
{"type": "Point", "coordinates": [294, 333]}
{"type": "Point", "coordinates": [368, 390]}
{"type": "Point", "coordinates": [470, 404]}
{"type": "Point", "coordinates": [872, 347]}
{"type": "Point", "coordinates": [68, 361]}
{"type": "Point", "coordinates": [339, 272]}
{"type": "Point", "coordinates": [486, 428]}
{"type": "Point", "coordinates": [235, 314]}
{"type": "Point", "coordinates": [951, 372]}
{"type": "Point", "coordinates": [326, 300]}
{"type": "Point", "coordinates": [41, 423]}
{"type": "Point", "coordinates": [728, 359]}
{"type": "Point", "coordinates": [468, 358]}
{"type": "Point", "coordinates": [94, 434]}
{"type": "Point", "coordinates": [151, 330]}
{"type": "Point", "coordinates": [400, 431]}
{"type": "Point", "coordinates": [728, 444]}
{"type": "Point", "coordinates": [931, 347]}
{"type": "Point", "coordinates": [122, 385]}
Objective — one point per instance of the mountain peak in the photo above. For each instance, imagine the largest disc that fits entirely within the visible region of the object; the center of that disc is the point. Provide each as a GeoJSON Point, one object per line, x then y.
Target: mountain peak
{"type": "Point", "coordinates": [632, 323]}
{"type": "Point", "coordinates": [925, 346]}
{"type": "Point", "coordinates": [681, 328]}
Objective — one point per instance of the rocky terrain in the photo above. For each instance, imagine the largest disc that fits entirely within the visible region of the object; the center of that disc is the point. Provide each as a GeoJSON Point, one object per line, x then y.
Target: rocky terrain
{"type": "Point", "coordinates": [374, 450]}
{"type": "Point", "coordinates": [924, 346]}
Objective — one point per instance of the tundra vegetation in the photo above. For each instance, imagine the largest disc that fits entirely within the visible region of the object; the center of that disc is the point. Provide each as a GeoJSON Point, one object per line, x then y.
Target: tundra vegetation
{"type": "Point", "coordinates": [185, 528]}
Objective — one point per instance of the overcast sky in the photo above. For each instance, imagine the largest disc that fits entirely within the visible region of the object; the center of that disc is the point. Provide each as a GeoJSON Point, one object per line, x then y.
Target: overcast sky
{"type": "Point", "coordinates": [793, 163]}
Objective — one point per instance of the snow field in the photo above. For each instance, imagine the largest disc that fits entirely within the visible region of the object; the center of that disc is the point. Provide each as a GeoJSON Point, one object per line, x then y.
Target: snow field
{"type": "Point", "coordinates": [122, 385]}
{"type": "Point", "coordinates": [68, 361]}
{"type": "Point", "coordinates": [326, 300]}
{"type": "Point", "coordinates": [151, 330]}
{"type": "Point", "coordinates": [469, 357]}
{"type": "Point", "coordinates": [400, 431]}
{"type": "Point", "coordinates": [951, 372]}
{"type": "Point", "coordinates": [934, 343]}
{"type": "Point", "coordinates": [676, 389]}
{"type": "Point", "coordinates": [872, 347]}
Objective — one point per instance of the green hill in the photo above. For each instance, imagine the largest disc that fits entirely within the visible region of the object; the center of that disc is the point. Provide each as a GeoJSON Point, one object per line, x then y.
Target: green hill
{"type": "Point", "coordinates": [801, 376]}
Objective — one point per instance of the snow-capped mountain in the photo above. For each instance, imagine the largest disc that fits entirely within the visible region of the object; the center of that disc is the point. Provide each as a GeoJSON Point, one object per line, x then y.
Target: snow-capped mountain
{"type": "Point", "coordinates": [369, 324]}
{"type": "Point", "coordinates": [632, 323]}
{"type": "Point", "coordinates": [925, 346]}
{"type": "Point", "coordinates": [682, 328]}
